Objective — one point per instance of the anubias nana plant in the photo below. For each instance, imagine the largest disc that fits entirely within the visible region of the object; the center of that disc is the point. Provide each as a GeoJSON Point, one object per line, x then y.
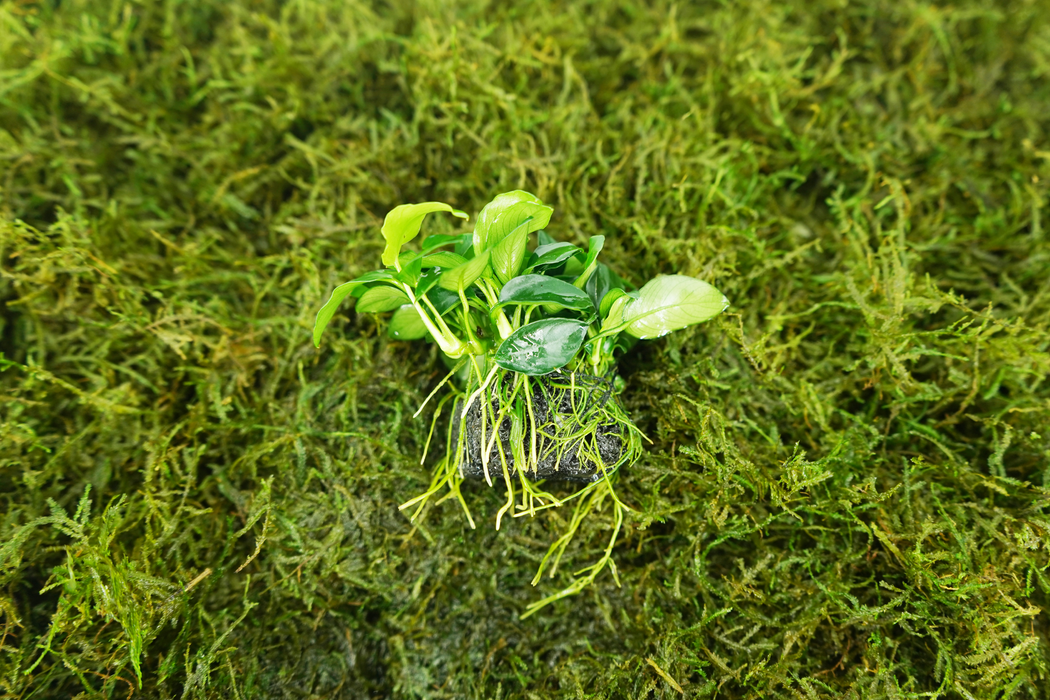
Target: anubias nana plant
{"type": "Point", "coordinates": [531, 336]}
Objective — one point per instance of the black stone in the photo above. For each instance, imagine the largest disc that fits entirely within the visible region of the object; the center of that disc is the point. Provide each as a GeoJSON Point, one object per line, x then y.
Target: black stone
{"type": "Point", "coordinates": [553, 400]}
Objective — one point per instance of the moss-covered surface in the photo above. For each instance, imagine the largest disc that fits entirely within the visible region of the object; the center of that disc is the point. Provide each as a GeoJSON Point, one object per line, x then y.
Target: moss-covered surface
{"type": "Point", "coordinates": [846, 494]}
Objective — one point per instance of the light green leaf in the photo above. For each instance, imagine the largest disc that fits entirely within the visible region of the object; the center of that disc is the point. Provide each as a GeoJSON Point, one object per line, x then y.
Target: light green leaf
{"type": "Point", "coordinates": [325, 314]}
{"type": "Point", "coordinates": [508, 254]}
{"type": "Point", "coordinates": [402, 224]}
{"type": "Point", "coordinates": [445, 260]}
{"type": "Point", "coordinates": [614, 313]}
{"type": "Point", "coordinates": [608, 299]}
{"type": "Point", "coordinates": [466, 274]}
{"type": "Point", "coordinates": [504, 214]}
{"type": "Point", "coordinates": [379, 299]}
{"type": "Point", "coordinates": [406, 324]}
{"type": "Point", "coordinates": [670, 302]}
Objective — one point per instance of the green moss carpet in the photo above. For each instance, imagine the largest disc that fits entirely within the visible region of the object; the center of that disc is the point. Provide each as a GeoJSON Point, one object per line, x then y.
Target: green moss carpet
{"type": "Point", "coordinates": [847, 487]}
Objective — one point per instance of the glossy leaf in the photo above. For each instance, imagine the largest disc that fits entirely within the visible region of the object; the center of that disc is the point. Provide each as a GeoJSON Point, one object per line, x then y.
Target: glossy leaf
{"type": "Point", "coordinates": [539, 289]}
{"type": "Point", "coordinates": [444, 259]}
{"type": "Point", "coordinates": [504, 214]}
{"type": "Point", "coordinates": [326, 312]}
{"type": "Point", "coordinates": [380, 299]}
{"type": "Point", "coordinates": [466, 274]}
{"type": "Point", "coordinates": [551, 254]}
{"type": "Point", "coordinates": [541, 347]}
{"type": "Point", "coordinates": [544, 238]}
{"type": "Point", "coordinates": [509, 254]}
{"type": "Point", "coordinates": [402, 224]}
{"type": "Point", "coordinates": [406, 324]}
{"type": "Point", "coordinates": [599, 284]}
{"type": "Point", "coordinates": [670, 302]}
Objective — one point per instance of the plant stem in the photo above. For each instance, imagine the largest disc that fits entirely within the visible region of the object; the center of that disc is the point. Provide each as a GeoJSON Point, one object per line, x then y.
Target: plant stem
{"type": "Point", "coordinates": [502, 323]}
{"type": "Point", "coordinates": [449, 343]}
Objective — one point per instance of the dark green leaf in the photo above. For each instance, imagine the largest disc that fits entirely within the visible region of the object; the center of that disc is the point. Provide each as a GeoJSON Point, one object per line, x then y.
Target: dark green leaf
{"type": "Point", "coordinates": [508, 254]}
{"type": "Point", "coordinates": [539, 289]}
{"type": "Point", "coordinates": [441, 239]}
{"type": "Point", "coordinates": [505, 213]}
{"type": "Point", "coordinates": [402, 224]}
{"type": "Point", "coordinates": [670, 302]}
{"type": "Point", "coordinates": [427, 279]}
{"type": "Point", "coordinates": [572, 268]}
{"type": "Point", "coordinates": [615, 281]}
{"type": "Point", "coordinates": [442, 299]}
{"type": "Point", "coordinates": [406, 324]}
{"type": "Point", "coordinates": [544, 238]}
{"type": "Point", "coordinates": [326, 312]}
{"type": "Point", "coordinates": [551, 254]}
{"type": "Point", "coordinates": [598, 284]}
{"type": "Point", "coordinates": [379, 299]}
{"type": "Point", "coordinates": [411, 265]}
{"type": "Point", "coordinates": [465, 247]}
{"type": "Point", "coordinates": [594, 246]}
{"type": "Point", "coordinates": [541, 347]}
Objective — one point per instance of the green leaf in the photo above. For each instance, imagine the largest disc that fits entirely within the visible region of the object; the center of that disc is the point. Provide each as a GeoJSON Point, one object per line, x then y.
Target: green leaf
{"type": "Point", "coordinates": [541, 347]}
{"type": "Point", "coordinates": [402, 224]}
{"type": "Point", "coordinates": [551, 254]}
{"type": "Point", "coordinates": [440, 240]}
{"type": "Point", "coordinates": [406, 324]}
{"type": "Point", "coordinates": [670, 302]}
{"type": "Point", "coordinates": [598, 284]}
{"type": "Point", "coordinates": [614, 314]}
{"type": "Point", "coordinates": [442, 299]}
{"type": "Point", "coordinates": [379, 299]}
{"type": "Point", "coordinates": [411, 265]}
{"type": "Point", "coordinates": [465, 247]}
{"type": "Point", "coordinates": [326, 312]}
{"type": "Point", "coordinates": [544, 238]}
{"type": "Point", "coordinates": [594, 246]}
{"type": "Point", "coordinates": [427, 279]}
{"type": "Point", "coordinates": [607, 301]}
{"type": "Point", "coordinates": [508, 254]}
{"type": "Point", "coordinates": [444, 259]}
{"type": "Point", "coordinates": [466, 274]}
{"type": "Point", "coordinates": [539, 289]}
{"type": "Point", "coordinates": [504, 214]}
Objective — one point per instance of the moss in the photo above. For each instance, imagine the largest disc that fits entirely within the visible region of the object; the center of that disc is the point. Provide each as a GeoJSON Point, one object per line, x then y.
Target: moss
{"type": "Point", "coordinates": [846, 491]}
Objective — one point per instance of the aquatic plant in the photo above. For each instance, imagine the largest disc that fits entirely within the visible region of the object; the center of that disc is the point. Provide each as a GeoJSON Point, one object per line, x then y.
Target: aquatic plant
{"type": "Point", "coordinates": [532, 338]}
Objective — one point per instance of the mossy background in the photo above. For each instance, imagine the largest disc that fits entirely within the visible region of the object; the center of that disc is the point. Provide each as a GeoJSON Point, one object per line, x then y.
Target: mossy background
{"type": "Point", "coordinates": [848, 486]}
